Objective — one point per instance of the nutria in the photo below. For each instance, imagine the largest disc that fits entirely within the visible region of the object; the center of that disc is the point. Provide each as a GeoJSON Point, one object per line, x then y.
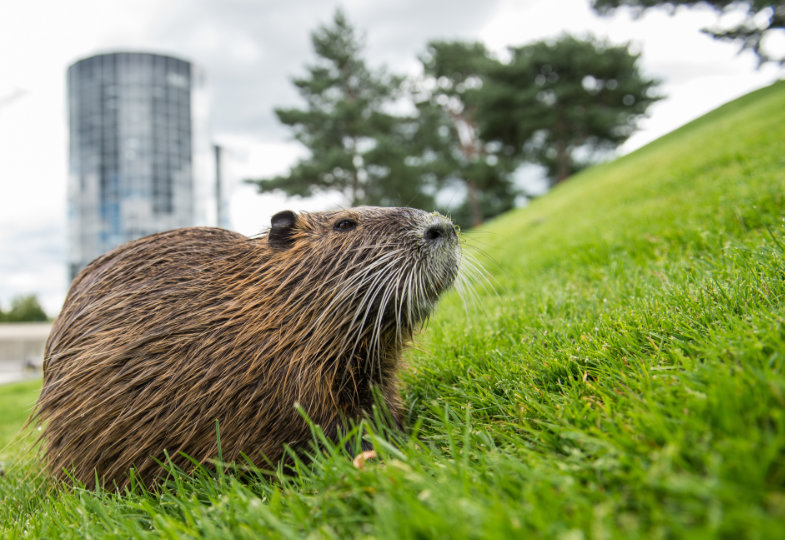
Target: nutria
{"type": "Point", "coordinates": [165, 336]}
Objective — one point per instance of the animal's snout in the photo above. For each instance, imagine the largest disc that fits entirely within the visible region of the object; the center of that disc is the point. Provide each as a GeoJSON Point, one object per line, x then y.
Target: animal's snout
{"type": "Point", "coordinates": [439, 230]}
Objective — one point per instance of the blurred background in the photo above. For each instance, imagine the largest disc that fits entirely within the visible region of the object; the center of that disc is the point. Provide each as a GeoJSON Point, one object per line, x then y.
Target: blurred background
{"type": "Point", "coordinates": [120, 119]}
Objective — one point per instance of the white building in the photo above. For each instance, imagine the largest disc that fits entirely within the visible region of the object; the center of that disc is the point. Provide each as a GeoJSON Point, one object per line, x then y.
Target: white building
{"type": "Point", "coordinates": [139, 154]}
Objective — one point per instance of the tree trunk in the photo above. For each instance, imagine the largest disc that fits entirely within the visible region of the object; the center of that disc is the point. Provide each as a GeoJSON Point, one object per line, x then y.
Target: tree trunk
{"type": "Point", "coordinates": [475, 211]}
{"type": "Point", "coordinates": [563, 163]}
{"type": "Point", "coordinates": [354, 172]}
{"type": "Point", "coordinates": [470, 147]}
{"type": "Point", "coordinates": [355, 188]}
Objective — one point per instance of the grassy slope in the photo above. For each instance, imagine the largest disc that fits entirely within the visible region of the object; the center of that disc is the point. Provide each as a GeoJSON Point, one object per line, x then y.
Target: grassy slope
{"type": "Point", "coordinates": [626, 380]}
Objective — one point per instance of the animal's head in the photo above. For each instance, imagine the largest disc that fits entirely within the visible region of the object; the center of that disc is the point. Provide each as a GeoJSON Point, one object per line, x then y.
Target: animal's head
{"type": "Point", "coordinates": [391, 261]}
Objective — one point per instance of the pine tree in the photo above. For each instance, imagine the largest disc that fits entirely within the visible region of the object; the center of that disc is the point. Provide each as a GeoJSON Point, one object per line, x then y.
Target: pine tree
{"type": "Point", "coordinates": [762, 17]}
{"type": "Point", "coordinates": [355, 146]}
{"type": "Point", "coordinates": [555, 99]}
{"type": "Point", "coordinates": [451, 148]}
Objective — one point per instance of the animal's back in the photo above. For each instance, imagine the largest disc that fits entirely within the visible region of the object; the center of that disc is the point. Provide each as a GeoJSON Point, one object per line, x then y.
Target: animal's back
{"type": "Point", "coordinates": [132, 286]}
{"type": "Point", "coordinates": [144, 356]}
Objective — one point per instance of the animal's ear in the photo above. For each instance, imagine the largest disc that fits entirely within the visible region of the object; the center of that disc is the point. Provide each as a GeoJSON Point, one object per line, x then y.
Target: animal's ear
{"type": "Point", "coordinates": [282, 229]}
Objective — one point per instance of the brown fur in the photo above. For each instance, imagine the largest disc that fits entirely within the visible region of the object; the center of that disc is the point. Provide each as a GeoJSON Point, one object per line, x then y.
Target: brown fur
{"type": "Point", "coordinates": [163, 336]}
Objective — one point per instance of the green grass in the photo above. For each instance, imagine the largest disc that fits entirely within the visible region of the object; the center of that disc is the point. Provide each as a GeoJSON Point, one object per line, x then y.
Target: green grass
{"type": "Point", "coordinates": [625, 379]}
{"type": "Point", "coordinates": [16, 401]}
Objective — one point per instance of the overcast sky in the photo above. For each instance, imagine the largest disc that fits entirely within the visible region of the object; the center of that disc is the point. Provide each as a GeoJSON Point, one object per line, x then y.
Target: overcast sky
{"type": "Point", "coordinates": [249, 51]}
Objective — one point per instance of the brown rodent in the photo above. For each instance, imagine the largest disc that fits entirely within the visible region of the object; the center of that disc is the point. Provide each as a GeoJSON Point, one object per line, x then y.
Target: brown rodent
{"type": "Point", "coordinates": [163, 336]}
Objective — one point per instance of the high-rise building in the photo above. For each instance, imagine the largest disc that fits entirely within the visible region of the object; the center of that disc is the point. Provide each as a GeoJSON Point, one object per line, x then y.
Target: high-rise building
{"type": "Point", "coordinates": [137, 149]}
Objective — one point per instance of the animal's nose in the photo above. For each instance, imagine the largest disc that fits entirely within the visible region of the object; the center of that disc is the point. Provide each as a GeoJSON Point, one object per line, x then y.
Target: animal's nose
{"type": "Point", "coordinates": [437, 231]}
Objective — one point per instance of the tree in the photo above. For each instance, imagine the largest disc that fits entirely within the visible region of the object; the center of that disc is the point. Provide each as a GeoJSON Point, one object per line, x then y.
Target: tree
{"type": "Point", "coordinates": [556, 101]}
{"type": "Point", "coordinates": [761, 18]}
{"type": "Point", "coordinates": [451, 149]}
{"type": "Point", "coordinates": [355, 146]}
{"type": "Point", "coordinates": [24, 309]}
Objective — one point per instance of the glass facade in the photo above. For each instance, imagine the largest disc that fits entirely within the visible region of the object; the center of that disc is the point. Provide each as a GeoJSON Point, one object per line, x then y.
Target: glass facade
{"type": "Point", "coordinates": [133, 142]}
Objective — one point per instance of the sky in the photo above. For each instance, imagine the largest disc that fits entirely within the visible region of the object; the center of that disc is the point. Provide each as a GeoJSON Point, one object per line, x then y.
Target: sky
{"type": "Point", "coordinates": [250, 50]}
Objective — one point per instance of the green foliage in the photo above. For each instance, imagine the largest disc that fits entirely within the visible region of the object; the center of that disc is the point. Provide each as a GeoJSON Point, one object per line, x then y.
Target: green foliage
{"type": "Point", "coordinates": [24, 309]}
{"type": "Point", "coordinates": [625, 379]}
{"type": "Point", "coordinates": [475, 120]}
{"type": "Point", "coordinates": [355, 146]}
{"type": "Point", "coordinates": [762, 17]}
{"type": "Point", "coordinates": [450, 147]}
{"type": "Point", "coordinates": [555, 98]}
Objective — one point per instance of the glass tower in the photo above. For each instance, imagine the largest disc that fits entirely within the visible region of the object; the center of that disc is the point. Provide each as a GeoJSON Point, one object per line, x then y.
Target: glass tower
{"type": "Point", "coordinates": [135, 136]}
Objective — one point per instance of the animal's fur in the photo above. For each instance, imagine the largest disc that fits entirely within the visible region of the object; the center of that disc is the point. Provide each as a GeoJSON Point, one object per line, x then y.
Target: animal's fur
{"type": "Point", "coordinates": [163, 336]}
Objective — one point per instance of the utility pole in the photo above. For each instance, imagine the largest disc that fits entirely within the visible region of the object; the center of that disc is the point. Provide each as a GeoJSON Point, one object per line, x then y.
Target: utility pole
{"type": "Point", "coordinates": [219, 217]}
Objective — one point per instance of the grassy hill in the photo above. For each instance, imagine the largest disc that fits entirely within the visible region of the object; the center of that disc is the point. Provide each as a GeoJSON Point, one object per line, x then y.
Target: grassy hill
{"type": "Point", "coordinates": [624, 379]}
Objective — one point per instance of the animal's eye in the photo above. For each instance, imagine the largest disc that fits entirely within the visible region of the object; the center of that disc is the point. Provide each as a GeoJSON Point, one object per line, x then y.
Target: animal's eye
{"type": "Point", "coordinates": [344, 225]}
